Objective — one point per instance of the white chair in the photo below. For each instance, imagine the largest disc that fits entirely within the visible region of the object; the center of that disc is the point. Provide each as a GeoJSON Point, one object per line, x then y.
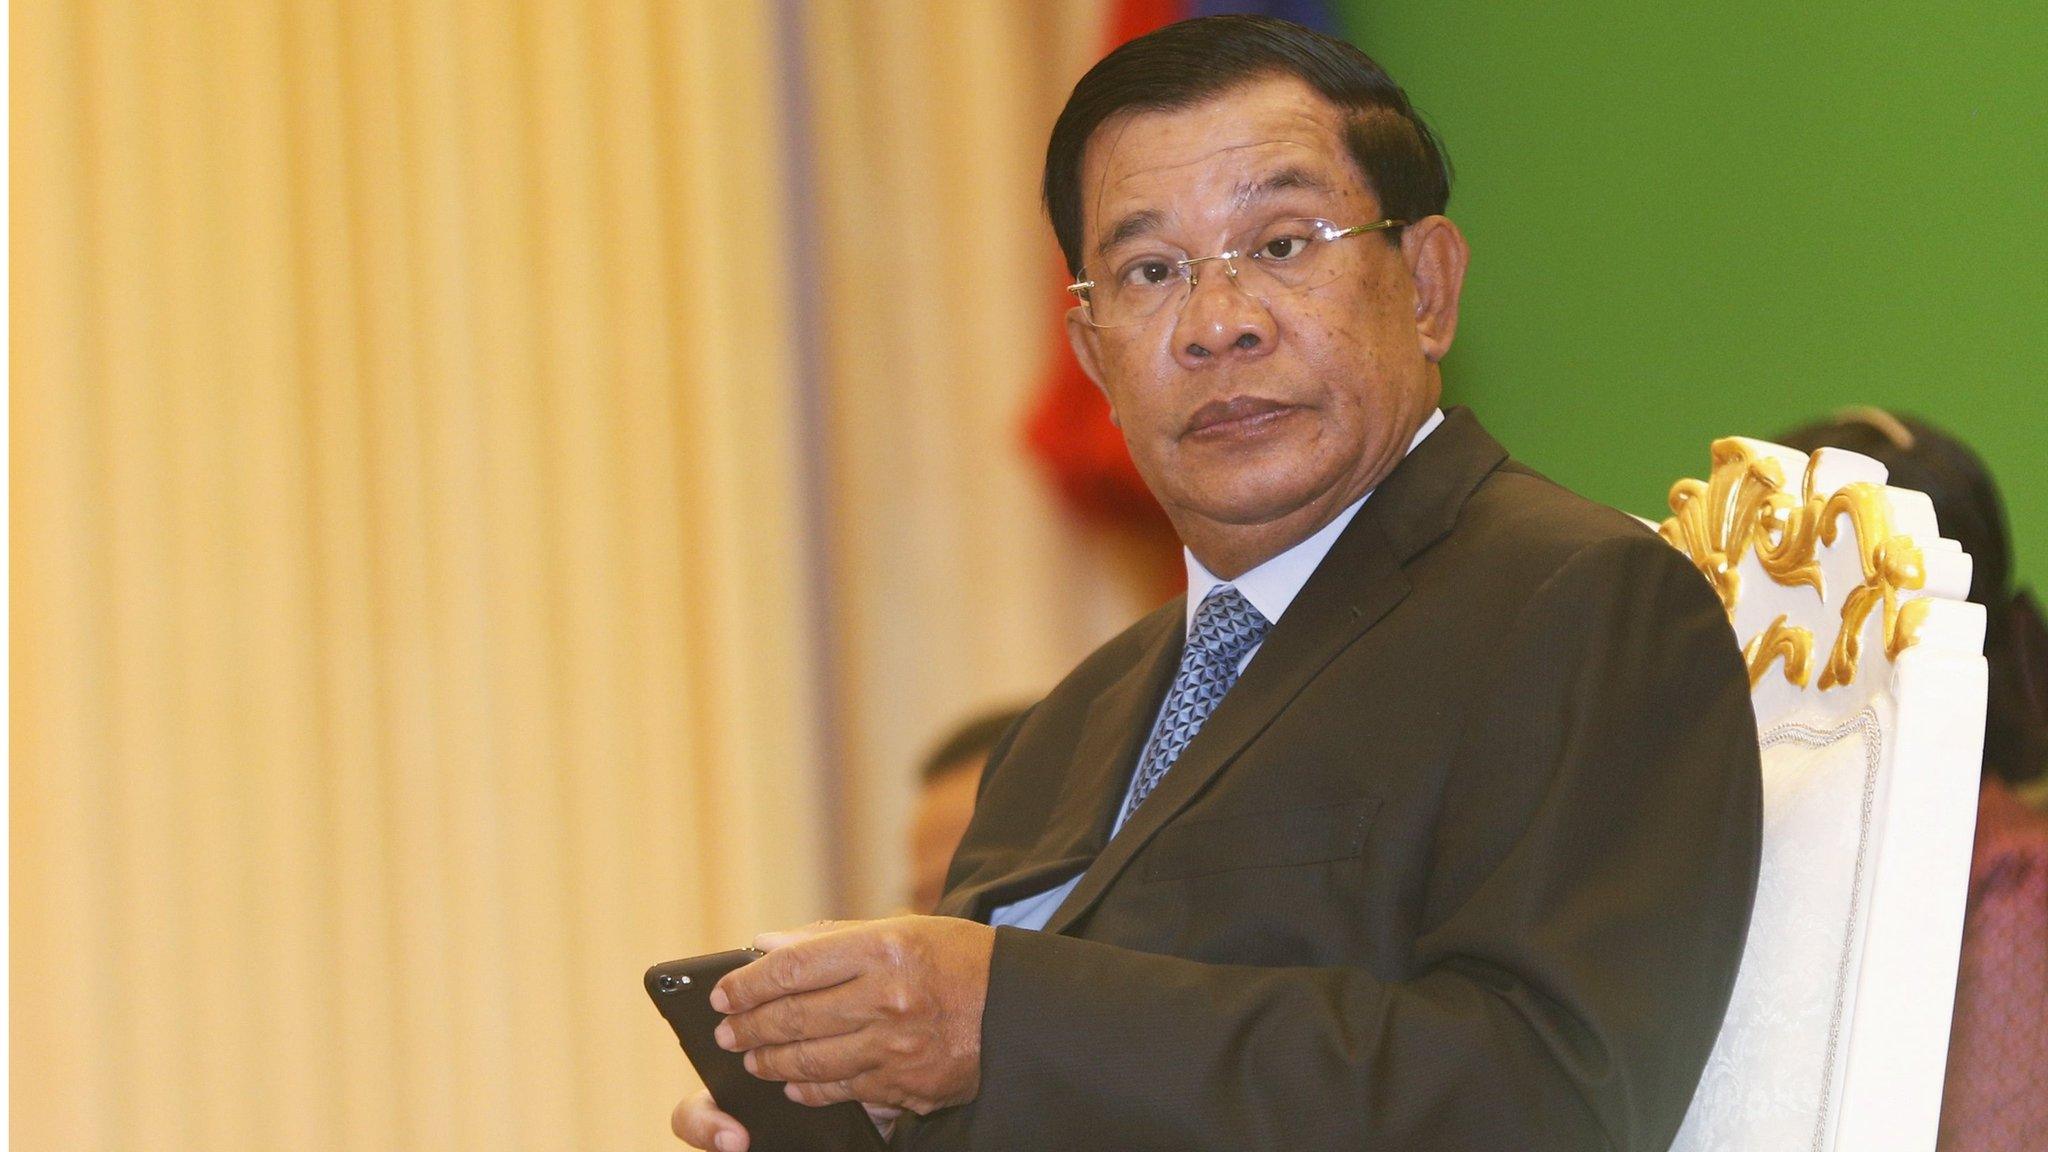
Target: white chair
{"type": "Point", "coordinates": [1866, 669]}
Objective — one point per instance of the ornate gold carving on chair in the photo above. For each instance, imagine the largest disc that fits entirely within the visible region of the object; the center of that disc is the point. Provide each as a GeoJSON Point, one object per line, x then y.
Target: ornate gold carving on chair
{"type": "Point", "coordinates": [1745, 506]}
{"type": "Point", "coordinates": [1789, 641]}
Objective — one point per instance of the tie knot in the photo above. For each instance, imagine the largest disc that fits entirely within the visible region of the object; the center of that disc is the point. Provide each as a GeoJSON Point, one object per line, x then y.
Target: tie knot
{"type": "Point", "coordinates": [1226, 625]}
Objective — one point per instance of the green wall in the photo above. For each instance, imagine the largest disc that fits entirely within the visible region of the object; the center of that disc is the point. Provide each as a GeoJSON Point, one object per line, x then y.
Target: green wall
{"type": "Point", "coordinates": [1736, 217]}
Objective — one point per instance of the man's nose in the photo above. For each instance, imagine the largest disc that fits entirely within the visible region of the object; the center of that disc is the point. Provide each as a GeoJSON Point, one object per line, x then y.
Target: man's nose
{"type": "Point", "coordinates": [1221, 321]}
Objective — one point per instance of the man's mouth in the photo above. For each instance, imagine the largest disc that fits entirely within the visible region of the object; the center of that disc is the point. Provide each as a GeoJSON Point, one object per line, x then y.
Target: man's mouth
{"type": "Point", "coordinates": [1237, 416]}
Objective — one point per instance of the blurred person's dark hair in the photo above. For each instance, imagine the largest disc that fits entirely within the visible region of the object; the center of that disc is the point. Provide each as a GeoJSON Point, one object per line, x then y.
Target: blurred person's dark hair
{"type": "Point", "coordinates": [948, 782]}
{"type": "Point", "coordinates": [1967, 504]}
{"type": "Point", "coordinates": [969, 743]}
{"type": "Point", "coordinates": [1185, 64]}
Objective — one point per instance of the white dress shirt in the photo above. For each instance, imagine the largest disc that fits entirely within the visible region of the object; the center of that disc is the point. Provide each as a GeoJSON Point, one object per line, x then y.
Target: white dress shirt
{"type": "Point", "coordinates": [1270, 587]}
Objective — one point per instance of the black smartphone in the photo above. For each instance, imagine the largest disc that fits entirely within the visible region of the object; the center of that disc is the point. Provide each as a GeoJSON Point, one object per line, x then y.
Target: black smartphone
{"type": "Point", "coordinates": [682, 990]}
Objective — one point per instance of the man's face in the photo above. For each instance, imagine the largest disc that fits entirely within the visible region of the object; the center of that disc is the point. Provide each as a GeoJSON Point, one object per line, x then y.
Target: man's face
{"type": "Point", "coordinates": [1241, 412]}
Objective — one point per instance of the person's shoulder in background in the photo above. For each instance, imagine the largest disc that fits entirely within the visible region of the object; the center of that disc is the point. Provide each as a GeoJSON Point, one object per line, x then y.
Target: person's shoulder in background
{"type": "Point", "coordinates": [1996, 1095]}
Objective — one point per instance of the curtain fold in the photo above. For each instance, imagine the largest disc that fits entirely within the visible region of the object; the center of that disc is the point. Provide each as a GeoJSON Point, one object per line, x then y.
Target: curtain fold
{"type": "Point", "coordinates": [408, 569]}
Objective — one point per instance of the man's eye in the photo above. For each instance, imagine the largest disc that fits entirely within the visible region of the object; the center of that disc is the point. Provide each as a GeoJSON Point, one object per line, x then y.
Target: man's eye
{"type": "Point", "coordinates": [1148, 274]}
{"type": "Point", "coordinates": [1283, 247]}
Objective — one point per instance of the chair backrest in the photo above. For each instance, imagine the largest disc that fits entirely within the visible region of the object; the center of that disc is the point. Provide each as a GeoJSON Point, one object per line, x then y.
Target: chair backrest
{"type": "Point", "coordinates": [1867, 674]}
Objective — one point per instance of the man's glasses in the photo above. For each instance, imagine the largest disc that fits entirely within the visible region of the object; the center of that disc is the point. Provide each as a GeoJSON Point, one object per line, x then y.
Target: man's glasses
{"type": "Point", "coordinates": [1277, 259]}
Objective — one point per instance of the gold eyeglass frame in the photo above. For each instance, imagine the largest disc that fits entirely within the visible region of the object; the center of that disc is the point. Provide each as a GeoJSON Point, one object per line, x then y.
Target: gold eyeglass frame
{"type": "Point", "coordinates": [1330, 233]}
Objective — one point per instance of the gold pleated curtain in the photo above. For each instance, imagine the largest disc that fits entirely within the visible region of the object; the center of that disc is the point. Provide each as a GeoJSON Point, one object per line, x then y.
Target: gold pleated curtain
{"type": "Point", "coordinates": [408, 621]}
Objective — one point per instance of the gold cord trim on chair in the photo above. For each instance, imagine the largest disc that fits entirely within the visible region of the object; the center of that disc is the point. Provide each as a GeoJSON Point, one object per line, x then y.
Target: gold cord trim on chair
{"type": "Point", "coordinates": [1745, 505]}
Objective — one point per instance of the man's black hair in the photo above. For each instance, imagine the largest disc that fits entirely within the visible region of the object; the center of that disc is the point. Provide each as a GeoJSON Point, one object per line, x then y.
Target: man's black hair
{"type": "Point", "coordinates": [1188, 63]}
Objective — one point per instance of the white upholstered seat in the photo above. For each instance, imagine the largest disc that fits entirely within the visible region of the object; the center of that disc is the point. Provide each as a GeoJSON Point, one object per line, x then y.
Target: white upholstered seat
{"type": "Point", "coordinates": [1867, 673]}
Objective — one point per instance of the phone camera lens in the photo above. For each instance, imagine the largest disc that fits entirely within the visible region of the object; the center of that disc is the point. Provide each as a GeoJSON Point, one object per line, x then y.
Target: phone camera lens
{"type": "Point", "coordinates": [671, 983]}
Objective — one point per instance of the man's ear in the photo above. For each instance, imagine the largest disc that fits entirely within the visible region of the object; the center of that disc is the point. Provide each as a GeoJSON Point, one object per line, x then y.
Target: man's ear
{"type": "Point", "coordinates": [1086, 340]}
{"type": "Point", "coordinates": [1436, 254]}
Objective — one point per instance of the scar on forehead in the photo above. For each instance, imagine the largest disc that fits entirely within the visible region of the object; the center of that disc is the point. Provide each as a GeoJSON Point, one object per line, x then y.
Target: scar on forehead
{"type": "Point", "coordinates": [1292, 176]}
{"type": "Point", "coordinates": [1204, 158]}
{"type": "Point", "coordinates": [1116, 129]}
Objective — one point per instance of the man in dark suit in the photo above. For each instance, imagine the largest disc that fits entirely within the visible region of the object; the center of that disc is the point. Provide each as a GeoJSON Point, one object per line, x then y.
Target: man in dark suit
{"type": "Point", "coordinates": [1428, 820]}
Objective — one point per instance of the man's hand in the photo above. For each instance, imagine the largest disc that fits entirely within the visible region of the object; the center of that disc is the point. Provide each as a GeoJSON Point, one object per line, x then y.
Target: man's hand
{"type": "Point", "coordinates": [887, 1012]}
{"type": "Point", "coordinates": [698, 1123]}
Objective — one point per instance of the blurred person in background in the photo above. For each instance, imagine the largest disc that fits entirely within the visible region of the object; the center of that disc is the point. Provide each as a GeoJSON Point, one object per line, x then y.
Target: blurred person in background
{"type": "Point", "coordinates": [947, 783]}
{"type": "Point", "coordinates": [1995, 1098]}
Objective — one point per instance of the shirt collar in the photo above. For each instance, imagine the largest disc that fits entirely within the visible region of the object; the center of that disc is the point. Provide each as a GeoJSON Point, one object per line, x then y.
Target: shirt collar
{"type": "Point", "coordinates": [1272, 586]}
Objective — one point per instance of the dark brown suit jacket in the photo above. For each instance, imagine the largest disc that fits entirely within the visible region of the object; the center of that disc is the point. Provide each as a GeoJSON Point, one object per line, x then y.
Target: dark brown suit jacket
{"type": "Point", "coordinates": [1463, 861]}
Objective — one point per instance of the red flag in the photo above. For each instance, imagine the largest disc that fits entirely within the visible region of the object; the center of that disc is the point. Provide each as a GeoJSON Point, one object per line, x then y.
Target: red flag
{"type": "Point", "coordinates": [1131, 19]}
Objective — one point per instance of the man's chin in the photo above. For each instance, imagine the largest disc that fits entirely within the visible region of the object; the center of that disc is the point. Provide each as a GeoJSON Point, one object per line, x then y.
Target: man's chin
{"type": "Point", "coordinates": [1254, 507]}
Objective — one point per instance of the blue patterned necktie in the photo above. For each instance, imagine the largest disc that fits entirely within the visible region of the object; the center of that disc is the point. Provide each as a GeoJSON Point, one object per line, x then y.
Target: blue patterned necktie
{"type": "Point", "coordinates": [1226, 627]}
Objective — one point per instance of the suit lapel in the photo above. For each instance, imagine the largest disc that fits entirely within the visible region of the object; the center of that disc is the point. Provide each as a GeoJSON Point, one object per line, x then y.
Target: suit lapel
{"type": "Point", "coordinates": [1092, 784]}
{"type": "Point", "coordinates": [1114, 734]}
{"type": "Point", "coordinates": [1357, 584]}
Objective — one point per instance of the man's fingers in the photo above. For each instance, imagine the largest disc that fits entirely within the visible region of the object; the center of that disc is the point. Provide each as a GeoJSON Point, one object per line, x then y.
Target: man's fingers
{"type": "Point", "coordinates": [770, 941]}
{"type": "Point", "coordinates": [866, 1087]}
{"type": "Point", "coordinates": [698, 1123]}
{"type": "Point", "coordinates": [818, 1061]}
{"type": "Point", "coordinates": [805, 1016]}
{"type": "Point", "coordinates": [819, 1095]}
{"type": "Point", "coordinates": [820, 960]}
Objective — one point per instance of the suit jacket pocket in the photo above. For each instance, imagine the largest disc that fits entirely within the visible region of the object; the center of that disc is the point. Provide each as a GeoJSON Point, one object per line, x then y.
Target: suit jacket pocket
{"type": "Point", "coordinates": [1269, 839]}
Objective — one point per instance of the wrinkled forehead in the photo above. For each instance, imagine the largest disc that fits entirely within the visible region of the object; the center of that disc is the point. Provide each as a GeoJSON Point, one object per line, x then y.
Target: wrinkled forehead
{"type": "Point", "coordinates": [1211, 166]}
